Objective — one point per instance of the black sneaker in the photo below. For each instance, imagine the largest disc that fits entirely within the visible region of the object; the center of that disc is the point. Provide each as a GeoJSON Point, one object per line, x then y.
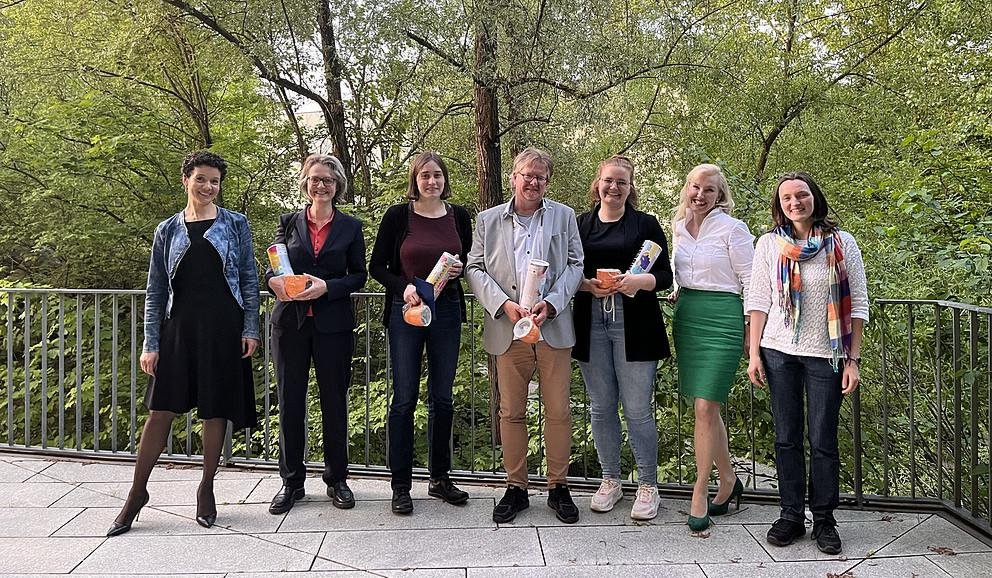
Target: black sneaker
{"type": "Point", "coordinates": [561, 502]}
{"type": "Point", "coordinates": [444, 489]}
{"type": "Point", "coordinates": [402, 502]}
{"type": "Point", "coordinates": [827, 540]}
{"type": "Point", "coordinates": [784, 532]}
{"type": "Point", "coordinates": [513, 501]}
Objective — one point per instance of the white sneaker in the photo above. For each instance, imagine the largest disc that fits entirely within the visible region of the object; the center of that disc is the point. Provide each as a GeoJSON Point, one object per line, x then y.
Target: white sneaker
{"type": "Point", "coordinates": [645, 503]}
{"type": "Point", "coordinates": [609, 493]}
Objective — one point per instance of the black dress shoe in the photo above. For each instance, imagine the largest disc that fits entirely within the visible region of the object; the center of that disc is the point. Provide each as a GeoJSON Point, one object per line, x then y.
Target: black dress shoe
{"type": "Point", "coordinates": [444, 489]}
{"type": "Point", "coordinates": [402, 502]}
{"type": "Point", "coordinates": [827, 540]}
{"type": "Point", "coordinates": [341, 495]}
{"type": "Point", "coordinates": [284, 499]}
{"type": "Point", "coordinates": [784, 532]}
{"type": "Point", "coordinates": [560, 500]}
{"type": "Point", "coordinates": [514, 500]}
{"type": "Point", "coordinates": [127, 518]}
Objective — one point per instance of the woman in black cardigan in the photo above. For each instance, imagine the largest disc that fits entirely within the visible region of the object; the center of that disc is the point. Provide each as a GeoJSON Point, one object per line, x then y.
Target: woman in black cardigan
{"type": "Point", "coordinates": [411, 238]}
{"type": "Point", "coordinates": [620, 334]}
{"type": "Point", "coordinates": [316, 326]}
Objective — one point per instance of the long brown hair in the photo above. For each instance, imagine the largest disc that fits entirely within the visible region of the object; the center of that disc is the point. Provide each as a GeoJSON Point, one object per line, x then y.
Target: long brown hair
{"type": "Point", "coordinates": [617, 161]}
{"type": "Point", "coordinates": [412, 190]}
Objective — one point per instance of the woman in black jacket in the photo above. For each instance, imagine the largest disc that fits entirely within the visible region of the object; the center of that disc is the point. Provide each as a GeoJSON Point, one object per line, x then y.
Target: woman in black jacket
{"type": "Point", "coordinates": [620, 334]}
{"type": "Point", "coordinates": [316, 326]}
{"type": "Point", "coordinates": [411, 239]}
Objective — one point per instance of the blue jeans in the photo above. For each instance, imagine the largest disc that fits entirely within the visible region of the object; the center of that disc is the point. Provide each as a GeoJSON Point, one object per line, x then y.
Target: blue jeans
{"type": "Point", "coordinates": [611, 379]}
{"type": "Point", "coordinates": [406, 352]}
{"type": "Point", "coordinates": [789, 377]}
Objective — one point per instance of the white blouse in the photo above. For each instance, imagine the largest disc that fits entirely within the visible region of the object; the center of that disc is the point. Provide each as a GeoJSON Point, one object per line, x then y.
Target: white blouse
{"type": "Point", "coordinates": [718, 258]}
{"type": "Point", "coordinates": [814, 341]}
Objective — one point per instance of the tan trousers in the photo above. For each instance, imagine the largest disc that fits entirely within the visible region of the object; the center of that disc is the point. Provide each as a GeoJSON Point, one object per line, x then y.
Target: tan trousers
{"type": "Point", "coordinates": [516, 368]}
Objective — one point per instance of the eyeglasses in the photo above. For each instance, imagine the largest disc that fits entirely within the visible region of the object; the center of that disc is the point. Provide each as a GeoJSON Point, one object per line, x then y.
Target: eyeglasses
{"type": "Point", "coordinates": [327, 181]}
{"type": "Point", "coordinates": [539, 179]}
{"type": "Point", "coordinates": [620, 183]}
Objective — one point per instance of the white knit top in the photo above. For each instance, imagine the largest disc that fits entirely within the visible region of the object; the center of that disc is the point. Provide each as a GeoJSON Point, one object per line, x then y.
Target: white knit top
{"type": "Point", "coordinates": [814, 341]}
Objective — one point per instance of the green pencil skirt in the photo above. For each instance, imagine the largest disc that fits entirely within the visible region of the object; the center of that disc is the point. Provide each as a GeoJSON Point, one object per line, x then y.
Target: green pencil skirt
{"type": "Point", "coordinates": [708, 330]}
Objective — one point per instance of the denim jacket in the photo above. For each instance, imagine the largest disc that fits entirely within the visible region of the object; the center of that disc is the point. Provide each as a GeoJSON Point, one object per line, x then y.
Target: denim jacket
{"type": "Point", "coordinates": [231, 237]}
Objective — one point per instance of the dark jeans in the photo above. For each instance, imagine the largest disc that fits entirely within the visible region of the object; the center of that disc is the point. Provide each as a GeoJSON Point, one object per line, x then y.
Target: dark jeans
{"type": "Point", "coordinates": [789, 378]}
{"type": "Point", "coordinates": [406, 352]}
{"type": "Point", "coordinates": [330, 354]}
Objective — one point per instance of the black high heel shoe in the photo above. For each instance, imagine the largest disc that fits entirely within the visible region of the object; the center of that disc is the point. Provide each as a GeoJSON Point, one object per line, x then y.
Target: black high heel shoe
{"type": "Point", "coordinates": [206, 520]}
{"type": "Point", "coordinates": [118, 528]}
{"type": "Point", "coordinates": [721, 509]}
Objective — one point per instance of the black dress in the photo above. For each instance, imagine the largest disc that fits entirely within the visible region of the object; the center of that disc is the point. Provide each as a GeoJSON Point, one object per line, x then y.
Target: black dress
{"type": "Point", "coordinates": [200, 362]}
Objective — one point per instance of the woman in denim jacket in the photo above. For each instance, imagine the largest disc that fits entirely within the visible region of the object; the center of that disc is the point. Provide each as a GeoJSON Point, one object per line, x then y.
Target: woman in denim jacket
{"type": "Point", "coordinates": [201, 328]}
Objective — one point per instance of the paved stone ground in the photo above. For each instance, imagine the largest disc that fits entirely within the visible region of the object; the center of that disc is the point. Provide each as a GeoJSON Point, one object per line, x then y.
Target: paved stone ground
{"type": "Point", "coordinates": [54, 513]}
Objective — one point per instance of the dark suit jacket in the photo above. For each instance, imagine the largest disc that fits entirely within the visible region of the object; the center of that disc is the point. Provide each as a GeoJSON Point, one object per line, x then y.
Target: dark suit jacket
{"type": "Point", "coordinates": [644, 327]}
{"type": "Point", "coordinates": [340, 263]}
{"type": "Point", "coordinates": [384, 265]}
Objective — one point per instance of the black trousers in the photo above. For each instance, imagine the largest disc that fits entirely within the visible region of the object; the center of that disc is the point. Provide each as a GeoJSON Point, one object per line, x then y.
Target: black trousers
{"type": "Point", "coordinates": [330, 354]}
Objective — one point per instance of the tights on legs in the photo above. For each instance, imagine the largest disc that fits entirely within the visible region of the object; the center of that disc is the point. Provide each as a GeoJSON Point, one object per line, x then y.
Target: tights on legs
{"type": "Point", "coordinates": [153, 438]}
{"type": "Point", "coordinates": [214, 431]}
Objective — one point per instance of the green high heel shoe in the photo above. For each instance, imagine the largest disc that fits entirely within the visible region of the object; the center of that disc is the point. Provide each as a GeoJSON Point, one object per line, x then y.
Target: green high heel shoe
{"type": "Point", "coordinates": [721, 509]}
{"type": "Point", "coordinates": [700, 524]}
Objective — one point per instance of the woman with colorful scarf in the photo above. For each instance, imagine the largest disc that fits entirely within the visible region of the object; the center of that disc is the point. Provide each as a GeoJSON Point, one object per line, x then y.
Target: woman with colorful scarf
{"type": "Point", "coordinates": [808, 305]}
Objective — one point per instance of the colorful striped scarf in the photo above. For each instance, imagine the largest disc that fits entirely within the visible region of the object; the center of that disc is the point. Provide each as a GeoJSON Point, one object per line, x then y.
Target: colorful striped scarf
{"type": "Point", "coordinates": [790, 285]}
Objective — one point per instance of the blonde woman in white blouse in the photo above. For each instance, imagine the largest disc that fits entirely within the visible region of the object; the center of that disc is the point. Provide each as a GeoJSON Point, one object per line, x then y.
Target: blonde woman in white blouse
{"type": "Point", "coordinates": [712, 263]}
{"type": "Point", "coordinates": [808, 282]}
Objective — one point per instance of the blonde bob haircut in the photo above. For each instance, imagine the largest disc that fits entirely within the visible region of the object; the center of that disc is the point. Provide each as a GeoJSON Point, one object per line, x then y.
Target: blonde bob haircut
{"type": "Point", "coordinates": [337, 173]}
{"type": "Point", "coordinates": [616, 161]}
{"type": "Point", "coordinates": [724, 201]}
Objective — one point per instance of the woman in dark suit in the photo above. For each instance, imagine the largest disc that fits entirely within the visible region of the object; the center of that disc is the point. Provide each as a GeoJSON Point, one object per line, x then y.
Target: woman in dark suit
{"type": "Point", "coordinates": [411, 238]}
{"type": "Point", "coordinates": [620, 333]}
{"type": "Point", "coordinates": [316, 326]}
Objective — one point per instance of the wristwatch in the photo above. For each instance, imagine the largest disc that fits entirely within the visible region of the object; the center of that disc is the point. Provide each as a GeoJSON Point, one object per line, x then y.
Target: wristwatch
{"type": "Point", "coordinates": [856, 360]}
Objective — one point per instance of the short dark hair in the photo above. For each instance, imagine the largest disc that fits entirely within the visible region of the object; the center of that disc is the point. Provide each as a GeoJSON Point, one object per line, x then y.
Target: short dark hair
{"type": "Point", "coordinates": [412, 190]}
{"type": "Point", "coordinates": [204, 159]}
{"type": "Point", "coordinates": [821, 209]}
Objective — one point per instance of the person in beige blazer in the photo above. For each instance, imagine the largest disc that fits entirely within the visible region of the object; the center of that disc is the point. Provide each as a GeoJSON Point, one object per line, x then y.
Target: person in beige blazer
{"type": "Point", "coordinates": [506, 238]}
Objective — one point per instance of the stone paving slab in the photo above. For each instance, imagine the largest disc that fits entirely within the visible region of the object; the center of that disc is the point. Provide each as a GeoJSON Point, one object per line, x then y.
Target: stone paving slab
{"type": "Point", "coordinates": [22, 461]}
{"type": "Point", "coordinates": [668, 571]}
{"type": "Point", "coordinates": [38, 522]}
{"type": "Point", "coordinates": [406, 573]}
{"type": "Point", "coordinates": [665, 544]}
{"type": "Point", "coordinates": [12, 473]}
{"type": "Point", "coordinates": [171, 493]}
{"type": "Point", "coordinates": [781, 570]}
{"type": "Point", "coordinates": [241, 518]}
{"type": "Point", "coordinates": [41, 555]}
{"type": "Point", "coordinates": [194, 554]}
{"type": "Point", "coordinates": [460, 548]}
{"type": "Point", "coordinates": [915, 566]}
{"type": "Point", "coordinates": [13, 495]}
{"type": "Point", "coordinates": [376, 515]}
{"type": "Point", "coordinates": [860, 540]}
{"type": "Point", "coordinates": [972, 565]}
{"type": "Point", "coordinates": [364, 489]}
{"type": "Point", "coordinates": [78, 472]}
{"type": "Point", "coordinates": [153, 521]}
{"type": "Point", "coordinates": [933, 533]}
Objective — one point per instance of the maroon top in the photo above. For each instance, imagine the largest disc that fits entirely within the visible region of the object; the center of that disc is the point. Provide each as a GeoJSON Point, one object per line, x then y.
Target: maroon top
{"type": "Point", "coordinates": [426, 239]}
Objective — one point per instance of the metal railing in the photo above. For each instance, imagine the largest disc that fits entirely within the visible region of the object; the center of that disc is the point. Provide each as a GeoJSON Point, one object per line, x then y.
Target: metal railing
{"type": "Point", "coordinates": [916, 436]}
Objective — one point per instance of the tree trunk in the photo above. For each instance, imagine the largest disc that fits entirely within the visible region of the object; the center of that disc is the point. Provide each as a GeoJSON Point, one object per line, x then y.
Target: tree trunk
{"type": "Point", "coordinates": [488, 162]}
{"type": "Point", "coordinates": [334, 112]}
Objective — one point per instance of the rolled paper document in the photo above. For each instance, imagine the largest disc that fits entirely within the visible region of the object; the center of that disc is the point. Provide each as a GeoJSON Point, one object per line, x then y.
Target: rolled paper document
{"type": "Point", "coordinates": [537, 270]}
{"type": "Point", "coordinates": [526, 330]}
{"type": "Point", "coordinates": [439, 274]}
{"type": "Point", "coordinates": [646, 257]}
{"type": "Point", "coordinates": [417, 315]}
{"type": "Point", "coordinates": [607, 277]}
{"type": "Point", "coordinates": [279, 259]}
